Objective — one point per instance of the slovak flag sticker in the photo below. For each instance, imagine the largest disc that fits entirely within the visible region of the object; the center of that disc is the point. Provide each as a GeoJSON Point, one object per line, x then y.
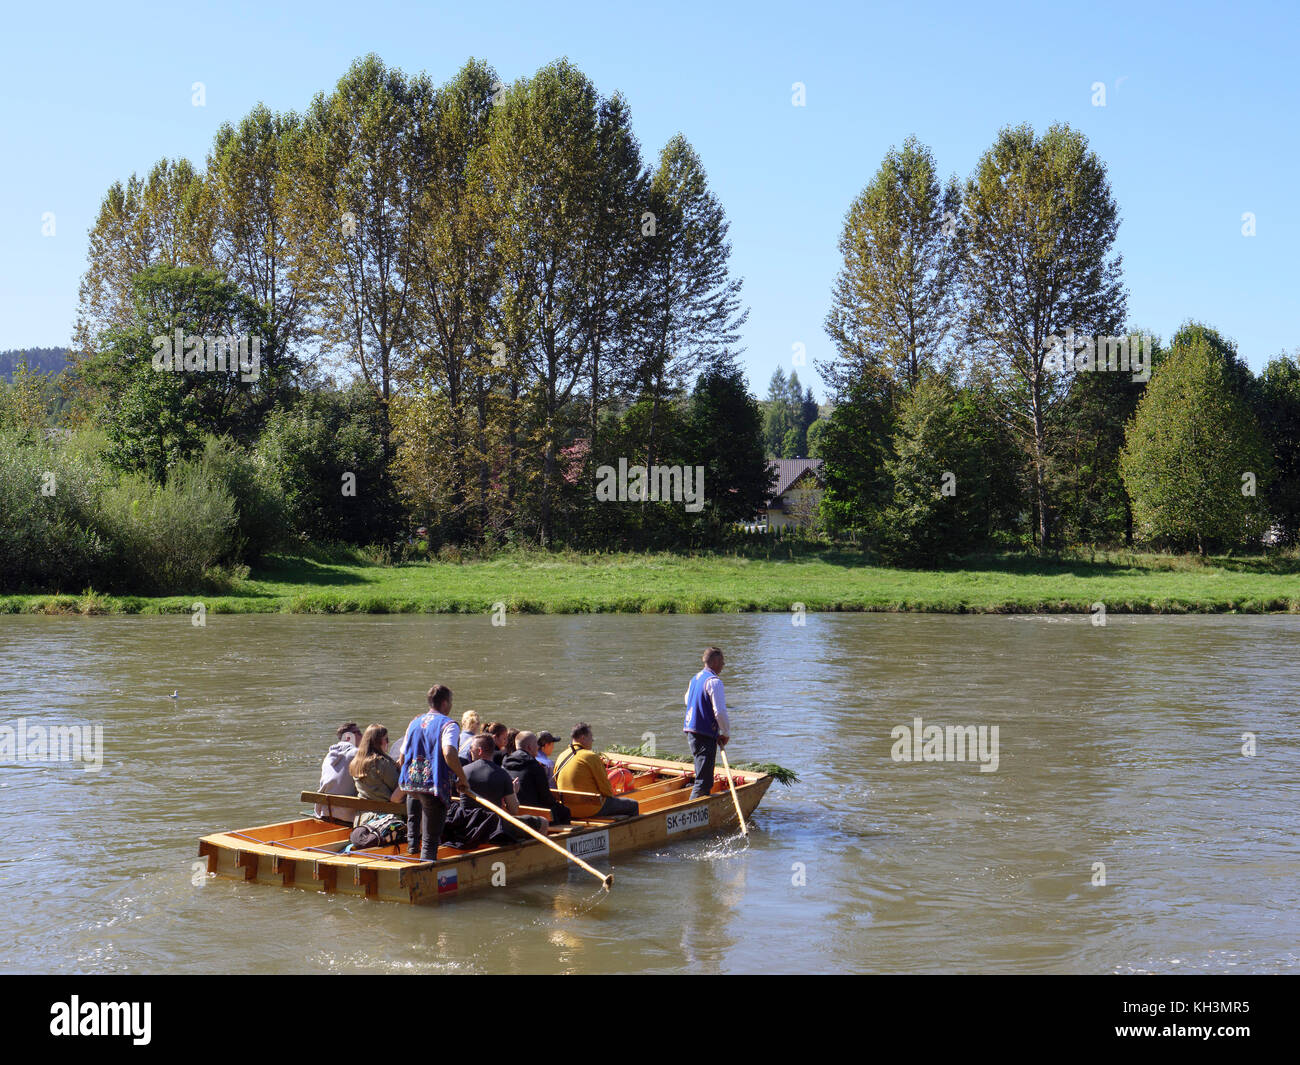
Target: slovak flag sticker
{"type": "Point", "coordinates": [447, 882]}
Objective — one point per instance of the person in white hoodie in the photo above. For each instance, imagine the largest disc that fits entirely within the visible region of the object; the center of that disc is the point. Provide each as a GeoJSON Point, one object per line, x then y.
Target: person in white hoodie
{"type": "Point", "coordinates": [336, 774]}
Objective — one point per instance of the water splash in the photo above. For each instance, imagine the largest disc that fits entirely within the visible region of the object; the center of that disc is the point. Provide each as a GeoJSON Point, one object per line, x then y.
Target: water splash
{"type": "Point", "coordinates": [722, 849]}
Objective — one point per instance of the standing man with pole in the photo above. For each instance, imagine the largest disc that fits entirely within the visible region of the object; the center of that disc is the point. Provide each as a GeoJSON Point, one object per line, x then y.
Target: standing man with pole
{"type": "Point", "coordinates": [430, 765]}
{"type": "Point", "coordinates": [706, 719]}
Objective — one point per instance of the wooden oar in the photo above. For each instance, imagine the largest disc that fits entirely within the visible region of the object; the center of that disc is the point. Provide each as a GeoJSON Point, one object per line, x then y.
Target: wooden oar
{"type": "Point", "coordinates": [605, 878]}
{"type": "Point", "coordinates": [734, 797]}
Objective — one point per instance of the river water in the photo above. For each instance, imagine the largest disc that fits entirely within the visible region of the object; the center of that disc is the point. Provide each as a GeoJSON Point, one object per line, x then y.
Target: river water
{"type": "Point", "coordinates": [1119, 757]}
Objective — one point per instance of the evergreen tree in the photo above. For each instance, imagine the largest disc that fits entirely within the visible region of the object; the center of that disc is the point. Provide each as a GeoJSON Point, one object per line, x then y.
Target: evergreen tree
{"type": "Point", "coordinates": [692, 303]}
{"type": "Point", "coordinates": [855, 449]}
{"type": "Point", "coordinates": [1277, 405]}
{"type": "Point", "coordinates": [776, 414]}
{"type": "Point", "coordinates": [727, 430]}
{"type": "Point", "coordinates": [1093, 506]}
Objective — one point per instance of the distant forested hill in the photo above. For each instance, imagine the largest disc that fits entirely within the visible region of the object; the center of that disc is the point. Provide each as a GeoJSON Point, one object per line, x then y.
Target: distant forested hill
{"type": "Point", "coordinates": [39, 360]}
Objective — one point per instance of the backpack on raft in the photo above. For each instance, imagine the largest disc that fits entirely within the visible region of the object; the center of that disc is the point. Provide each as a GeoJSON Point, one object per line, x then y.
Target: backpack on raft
{"type": "Point", "coordinates": [383, 831]}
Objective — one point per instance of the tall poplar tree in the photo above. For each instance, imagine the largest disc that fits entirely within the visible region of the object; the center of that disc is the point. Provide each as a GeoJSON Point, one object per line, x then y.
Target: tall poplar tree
{"type": "Point", "coordinates": [247, 182]}
{"type": "Point", "coordinates": [543, 163]}
{"type": "Point", "coordinates": [449, 370]}
{"type": "Point", "coordinates": [893, 301]}
{"type": "Point", "coordinates": [1037, 231]}
{"type": "Point", "coordinates": [352, 197]}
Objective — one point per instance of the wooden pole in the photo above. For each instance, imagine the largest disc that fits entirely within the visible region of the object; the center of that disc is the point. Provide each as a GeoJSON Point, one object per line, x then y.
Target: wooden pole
{"type": "Point", "coordinates": [605, 878]}
{"type": "Point", "coordinates": [744, 829]}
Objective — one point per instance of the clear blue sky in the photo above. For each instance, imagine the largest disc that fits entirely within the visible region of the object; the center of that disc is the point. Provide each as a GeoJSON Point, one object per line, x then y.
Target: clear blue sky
{"type": "Point", "coordinates": [1200, 124]}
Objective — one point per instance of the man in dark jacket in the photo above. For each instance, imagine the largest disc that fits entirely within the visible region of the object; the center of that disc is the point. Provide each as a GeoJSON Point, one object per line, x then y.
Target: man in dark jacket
{"type": "Point", "coordinates": [489, 780]}
{"type": "Point", "coordinates": [534, 782]}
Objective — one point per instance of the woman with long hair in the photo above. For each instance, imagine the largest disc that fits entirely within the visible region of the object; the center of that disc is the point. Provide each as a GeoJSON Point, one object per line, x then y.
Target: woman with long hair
{"type": "Point", "coordinates": [373, 771]}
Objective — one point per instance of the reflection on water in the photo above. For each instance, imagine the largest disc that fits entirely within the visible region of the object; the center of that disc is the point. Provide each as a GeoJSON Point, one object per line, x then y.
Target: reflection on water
{"type": "Point", "coordinates": [1120, 755]}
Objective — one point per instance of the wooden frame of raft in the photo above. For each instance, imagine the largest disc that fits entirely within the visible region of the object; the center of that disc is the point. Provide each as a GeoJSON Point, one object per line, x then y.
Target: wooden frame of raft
{"type": "Point", "coordinates": [306, 853]}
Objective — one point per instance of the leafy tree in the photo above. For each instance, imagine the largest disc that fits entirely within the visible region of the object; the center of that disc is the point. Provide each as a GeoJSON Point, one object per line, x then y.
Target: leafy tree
{"type": "Point", "coordinates": [165, 219]}
{"type": "Point", "coordinates": [1191, 453]}
{"type": "Point", "coordinates": [449, 374]}
{"type": "Point", "coordinates": [261, 523]}
{"type": "Point", "coordinates": [1237, 373]}
{"type": "Point", "coordinates": [617, 262]}
{"type": "Point", "coordinates": [160, 416]}
{"type": "Point", "coordinates": [938, 487]}
{"type": "Point", "coordinates": [25, 402]}
{"type": "Point", "coordinates": [157, 423]}
{"type": "Point", "coordinates": [119, 248]}
{"type": "Point", "coordinates": [644, 524]}
{"type": "Point", "coordinates": [1037, 230]}
{"type": "Point", "coordinates": [317, 449]}
{"type": "Point", "coordinates": [892, 308]}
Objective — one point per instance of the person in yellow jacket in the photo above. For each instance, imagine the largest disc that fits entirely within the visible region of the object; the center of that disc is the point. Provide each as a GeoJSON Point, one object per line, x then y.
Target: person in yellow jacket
{"type": "Point", "coordinates": [581, 769]}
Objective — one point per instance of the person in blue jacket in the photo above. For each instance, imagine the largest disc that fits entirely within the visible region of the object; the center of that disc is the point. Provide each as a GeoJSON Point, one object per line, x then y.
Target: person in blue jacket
{"type": "Point", "coordinates": [706, 719]}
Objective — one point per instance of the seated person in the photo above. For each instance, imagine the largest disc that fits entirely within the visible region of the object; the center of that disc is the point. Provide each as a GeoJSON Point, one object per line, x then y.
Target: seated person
{"type": "Point", "coordinates": [534, 781]}
{"type": "Point", "coordinates": [494, 784]}
{"type": "Point", "coordinates": [499, 734]}
{"type": "Point", "coordinates": [335, 779]}
{"type": "Point", "coordinates": [470, 723]}
{"type": "Point", "coordinates": [581, 769]}
{"type": "Point", "coordinates": [545, 745]}
{"type": "Point", "coordinates": [467, 827]}
{"type": "Point", "coordinates": [373, 772]}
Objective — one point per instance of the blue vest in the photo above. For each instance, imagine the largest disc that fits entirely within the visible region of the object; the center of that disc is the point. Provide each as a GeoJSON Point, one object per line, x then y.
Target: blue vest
{"type": "Point", "coordinates": [423, 767]}
{"type": "Point", "coordinates": [699, 706]}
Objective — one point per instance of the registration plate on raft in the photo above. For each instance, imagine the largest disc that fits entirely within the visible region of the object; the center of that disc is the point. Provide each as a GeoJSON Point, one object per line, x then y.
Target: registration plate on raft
{"type": "Point", "coordinates": [681, 820]}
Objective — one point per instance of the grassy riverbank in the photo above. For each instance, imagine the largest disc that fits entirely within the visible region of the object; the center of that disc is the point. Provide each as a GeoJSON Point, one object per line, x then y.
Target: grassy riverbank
{"type": "Point", "coordinates": [825, 580]}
